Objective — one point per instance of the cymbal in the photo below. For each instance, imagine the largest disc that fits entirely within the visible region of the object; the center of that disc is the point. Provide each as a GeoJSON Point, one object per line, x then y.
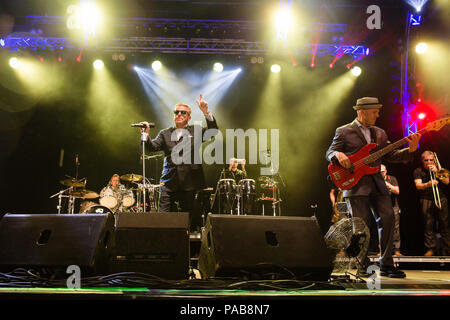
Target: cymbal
{"type": "Point", "coordinates": [131, 177]}
{"type": "Point", "coordinates": [73, 183]}
{"type": "Point", "coordinates": [86, 194]}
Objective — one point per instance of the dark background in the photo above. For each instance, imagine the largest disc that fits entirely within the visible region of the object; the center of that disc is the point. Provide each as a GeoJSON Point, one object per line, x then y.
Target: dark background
{"type": "Point", "coordinates": [33, 130]}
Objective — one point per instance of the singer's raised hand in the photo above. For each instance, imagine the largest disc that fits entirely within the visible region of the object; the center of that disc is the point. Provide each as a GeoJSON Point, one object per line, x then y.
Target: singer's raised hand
{"type": "Point", "coordinates": [202, 104]}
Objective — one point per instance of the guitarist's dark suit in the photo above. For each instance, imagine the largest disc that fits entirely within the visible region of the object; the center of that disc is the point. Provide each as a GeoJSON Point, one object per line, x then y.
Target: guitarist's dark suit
{"type": "Point", "coordinates": [371, 190]}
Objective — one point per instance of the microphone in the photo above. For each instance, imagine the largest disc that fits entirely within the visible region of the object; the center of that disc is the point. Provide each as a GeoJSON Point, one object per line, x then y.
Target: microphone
{"type": "Point", "coordinates": [138, 125]}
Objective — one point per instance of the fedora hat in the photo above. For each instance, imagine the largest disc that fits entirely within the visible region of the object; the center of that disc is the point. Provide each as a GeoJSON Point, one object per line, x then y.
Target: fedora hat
{"type": "Point", "coordinates": [367, 103]}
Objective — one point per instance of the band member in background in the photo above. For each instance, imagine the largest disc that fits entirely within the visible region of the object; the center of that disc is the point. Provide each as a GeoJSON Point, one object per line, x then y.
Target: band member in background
{"type": "Point", "coordinates": [180, 180]}
{"type": "Point", "coordinates": [371, 190]}
{"type": "Point", "coordinates": [394, 190]}
{"type": "Point", "coordinates": [111, 195]}
{"type": "Point", "coordinates": [233, 172]}
{"type": "Point", "coordinates": [429, 203]}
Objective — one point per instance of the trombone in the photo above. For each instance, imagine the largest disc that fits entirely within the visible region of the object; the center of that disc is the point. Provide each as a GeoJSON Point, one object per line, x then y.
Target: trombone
{"type": "Point", "coordinates": [440, 174]}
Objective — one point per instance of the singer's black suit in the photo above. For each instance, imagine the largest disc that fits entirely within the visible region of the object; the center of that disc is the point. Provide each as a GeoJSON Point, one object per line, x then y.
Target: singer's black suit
{"type": "Point", "coordinates": [180, 181]}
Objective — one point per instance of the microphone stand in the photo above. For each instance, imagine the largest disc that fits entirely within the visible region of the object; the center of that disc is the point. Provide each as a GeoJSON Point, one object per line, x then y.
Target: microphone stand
{"type": "Point", "coordinates": [144, 137]}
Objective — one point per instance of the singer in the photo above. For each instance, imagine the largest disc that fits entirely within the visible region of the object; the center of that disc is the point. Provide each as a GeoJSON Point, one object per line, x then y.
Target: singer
{"type": "Point", "coordinates": [180, 182]}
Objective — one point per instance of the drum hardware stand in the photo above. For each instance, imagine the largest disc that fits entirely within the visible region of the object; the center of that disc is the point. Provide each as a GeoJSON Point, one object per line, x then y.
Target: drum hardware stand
{"type": "Point", "coordinates": [276, 198]}
{"type": "Point", "coordinates": [213, 197]}
{"type": "Point", "coordinates": [60, 196]}
{"type": "Point", "coordinates": [238, 196]}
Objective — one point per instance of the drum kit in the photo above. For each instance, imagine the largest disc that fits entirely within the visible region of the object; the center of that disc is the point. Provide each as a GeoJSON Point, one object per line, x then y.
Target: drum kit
{"type": "Point", "coordinates": [76, 190]}
{"type": "Point", "coordinates": [109, 200]}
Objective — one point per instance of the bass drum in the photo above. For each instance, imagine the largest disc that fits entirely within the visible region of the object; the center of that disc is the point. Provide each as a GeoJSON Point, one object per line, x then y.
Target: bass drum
{"type": "Point", "coordinates": [107, 199]}
{"type": "Point", "coordinates": [99, 210]}
{"type": "Point", "coordinates": [86, 205]}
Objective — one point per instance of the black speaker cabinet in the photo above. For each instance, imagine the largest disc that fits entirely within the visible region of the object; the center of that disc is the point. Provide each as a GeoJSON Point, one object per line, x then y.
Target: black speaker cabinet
{"type": "Point", "coordinates": [258, 247]}
{"type": "Point", "coordinates": [152, 243]}
{"type": "Point", "coordinates": [56, 241]}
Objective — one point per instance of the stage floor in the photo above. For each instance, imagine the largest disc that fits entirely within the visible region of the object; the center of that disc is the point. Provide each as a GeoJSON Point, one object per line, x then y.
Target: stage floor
{"type": "Point", "coordinates": [417, 282]}
{"type": "Point", "coordinates": [267, 299]}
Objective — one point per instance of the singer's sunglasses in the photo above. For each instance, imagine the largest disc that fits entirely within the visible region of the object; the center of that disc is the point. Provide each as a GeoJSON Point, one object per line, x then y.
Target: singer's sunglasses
{"type": "Point", "coordinates": [180, 111]}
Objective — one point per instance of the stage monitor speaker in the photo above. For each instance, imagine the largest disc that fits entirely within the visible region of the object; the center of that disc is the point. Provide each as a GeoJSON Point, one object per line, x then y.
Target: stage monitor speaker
{"type": "Point", "coordinates": [152, 243]}
{"type": "Point", "coordinates": [263, 247]}
{"type": "Point", "coordinates": [56, 241]}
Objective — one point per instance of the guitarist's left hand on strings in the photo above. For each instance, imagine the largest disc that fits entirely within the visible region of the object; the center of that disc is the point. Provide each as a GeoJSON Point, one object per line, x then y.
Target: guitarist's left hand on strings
{"type": "Point", "coordinates": [413, 141]}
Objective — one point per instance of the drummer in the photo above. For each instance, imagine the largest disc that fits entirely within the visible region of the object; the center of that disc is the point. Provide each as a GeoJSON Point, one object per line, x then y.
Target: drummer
{"type": "Point", "coordinates": [114, 189]}
{"type": "Point", "coordinates": [233, 172]}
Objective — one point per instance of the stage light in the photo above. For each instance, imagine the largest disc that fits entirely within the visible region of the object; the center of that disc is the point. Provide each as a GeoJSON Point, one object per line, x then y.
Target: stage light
{"type": "Point", "coordinates": [356, 71]}
{"type": "Point", "coordinates": [312, 65]}
{"type": "Point", "coordinates": [2, 42]}
{"type": "Point", "coordinates": [218, 67]}
{"type": "Point", "coordinates": [421, 115]}
{"type": "Point", "coordinates": [98, 64]}
{"type": "Point", "coordinates": [330, 65]}
{"type": "Point", "coordinates": [156, 65]}
{"type": "Point", "coordinates": [417, 4]}
{"type": "Point", "coordinates": [275, 68]}
{"type": "Point", "coordinates": [14, 63]}
{"type": "Point", "coordinates": [421, 48]}
{"type": "Point", "coordinates": [283, 21]}
{"type": "Point", "coordinates": [84, 17]}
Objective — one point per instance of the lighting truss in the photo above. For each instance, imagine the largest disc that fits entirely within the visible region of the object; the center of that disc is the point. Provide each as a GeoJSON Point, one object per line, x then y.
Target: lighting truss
{"type": "Point", "coordinates": [168, 24]}
{"type": "Point", "coordinates": [175, 36]}
{"type": "Point", "coordinates": [179, 45]}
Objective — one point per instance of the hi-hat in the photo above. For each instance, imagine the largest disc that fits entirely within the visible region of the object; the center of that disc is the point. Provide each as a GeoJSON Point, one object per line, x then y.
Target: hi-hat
{"type": "Point", "coordinates": [73, 183]}
{"type": "Point", "coordinates": [131, 177]}
{"type": "Point", "coordinates": [85, 194]}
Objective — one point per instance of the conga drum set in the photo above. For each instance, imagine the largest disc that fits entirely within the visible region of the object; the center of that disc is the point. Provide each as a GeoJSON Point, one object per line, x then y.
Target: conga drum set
{"type": "Point", "coordinates": [235, 198]}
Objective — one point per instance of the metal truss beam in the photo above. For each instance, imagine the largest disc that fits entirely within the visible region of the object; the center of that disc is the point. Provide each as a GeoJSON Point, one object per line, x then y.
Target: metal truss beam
{"type": "Point", "coordinates": [178, 45]}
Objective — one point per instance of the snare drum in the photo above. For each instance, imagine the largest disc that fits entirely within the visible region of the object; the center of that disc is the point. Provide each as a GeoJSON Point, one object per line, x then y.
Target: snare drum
{"type": "Point", "coordinates": [127, 198]}
{"type": "Point", "coordinates": [107, 198]}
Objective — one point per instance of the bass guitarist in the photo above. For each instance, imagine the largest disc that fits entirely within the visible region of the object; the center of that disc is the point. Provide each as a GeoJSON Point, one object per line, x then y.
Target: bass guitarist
{"type": "Point", "coordinates": [370, 192]}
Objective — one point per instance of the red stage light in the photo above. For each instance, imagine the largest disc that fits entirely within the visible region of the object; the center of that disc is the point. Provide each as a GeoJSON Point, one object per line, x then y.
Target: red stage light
{"type": "Point", "coordinates": [421, 116]}
{"type": "Point", "coordinates": [79, 58]}
{"type": "Point", "coordinates": [312, 64]}
{"type": "Point", "coordinates": [330, 65]}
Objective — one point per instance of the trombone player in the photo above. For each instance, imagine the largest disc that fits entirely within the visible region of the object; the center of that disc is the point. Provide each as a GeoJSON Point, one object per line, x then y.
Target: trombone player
{"type": "Point", "coordinates": [433, 201]}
